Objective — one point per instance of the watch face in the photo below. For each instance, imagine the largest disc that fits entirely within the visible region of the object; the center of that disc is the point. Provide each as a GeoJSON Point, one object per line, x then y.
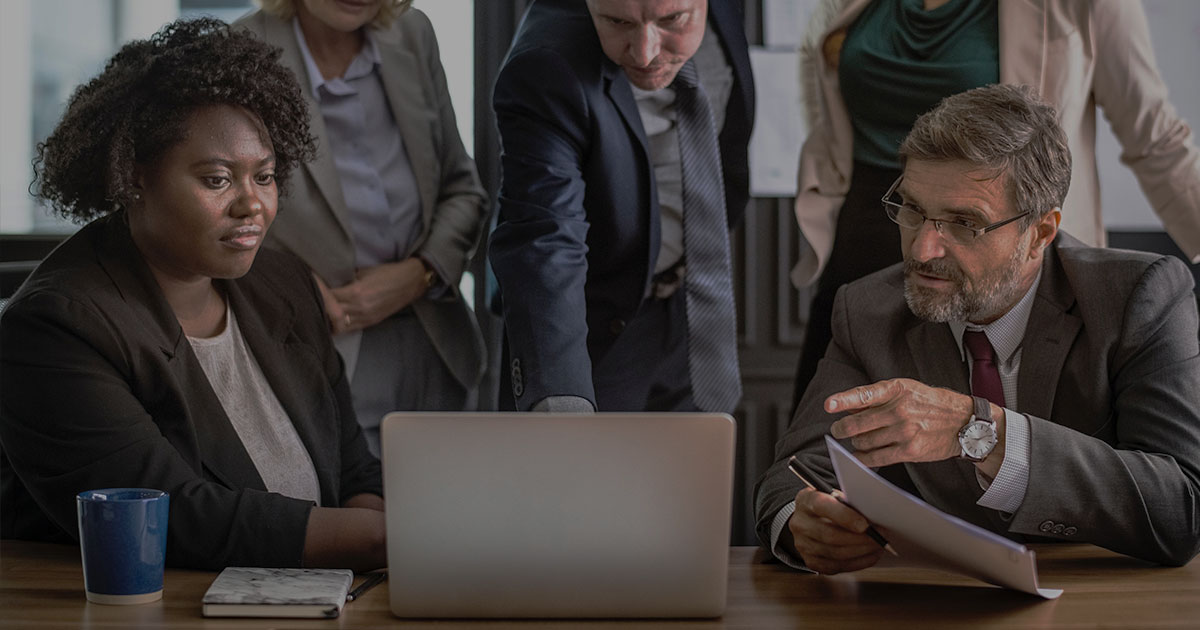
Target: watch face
{"type": "Point", "coordinates": [978, 439]}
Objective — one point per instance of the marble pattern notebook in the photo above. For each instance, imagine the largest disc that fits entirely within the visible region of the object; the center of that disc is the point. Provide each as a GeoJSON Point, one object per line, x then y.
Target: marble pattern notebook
{"type": "Point", "coordinates": [262, 592]}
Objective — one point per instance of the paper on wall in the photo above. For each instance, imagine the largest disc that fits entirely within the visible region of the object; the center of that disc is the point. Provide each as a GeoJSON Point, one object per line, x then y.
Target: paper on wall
{"type": "Point", "coordinates": [778, 124]}
{"type": "Point", "coordinates": [784, 21]}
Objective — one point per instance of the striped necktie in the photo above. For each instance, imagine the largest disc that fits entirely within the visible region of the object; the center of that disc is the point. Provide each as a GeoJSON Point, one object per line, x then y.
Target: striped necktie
{"type": "Point", "coordinates": [711, 317]}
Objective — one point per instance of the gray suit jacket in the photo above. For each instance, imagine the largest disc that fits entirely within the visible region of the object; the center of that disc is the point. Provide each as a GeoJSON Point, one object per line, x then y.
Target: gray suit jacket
{"type": "Point", "coordinates": [1110, 379]}
{"type": "Point", "coordinates": [313, 220]}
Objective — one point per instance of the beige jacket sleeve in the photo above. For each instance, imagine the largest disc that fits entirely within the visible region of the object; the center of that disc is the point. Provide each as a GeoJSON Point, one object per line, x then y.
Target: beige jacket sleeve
{"type": "Point", "coordinates": [1156, 143]}
{"type": "Point", "coordinates": [826, 157]}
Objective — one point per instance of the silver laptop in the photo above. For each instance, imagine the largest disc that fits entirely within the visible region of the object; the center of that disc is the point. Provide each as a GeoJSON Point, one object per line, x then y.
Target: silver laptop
{"type": "Point", "coordinates": [521, 515]}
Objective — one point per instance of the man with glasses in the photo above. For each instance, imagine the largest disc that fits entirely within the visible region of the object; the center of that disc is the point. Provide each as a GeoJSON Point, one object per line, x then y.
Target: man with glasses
{"type": "Point", "coordinates": [1004, 372]}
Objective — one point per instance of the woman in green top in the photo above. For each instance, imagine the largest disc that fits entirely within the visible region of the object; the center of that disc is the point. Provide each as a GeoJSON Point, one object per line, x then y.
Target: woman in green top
{"type": "Point", "coordinates": [871, 66]}
{"type": "Point", "coordinates": [898, 59]}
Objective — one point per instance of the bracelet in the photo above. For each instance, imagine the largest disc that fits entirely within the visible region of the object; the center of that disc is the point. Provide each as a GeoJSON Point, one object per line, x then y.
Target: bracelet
{"type": "Point", "coordinates": [430, 274]}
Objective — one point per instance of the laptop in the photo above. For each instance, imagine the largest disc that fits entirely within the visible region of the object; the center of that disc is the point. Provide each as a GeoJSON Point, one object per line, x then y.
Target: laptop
{"type": "Point", "coordinates": [526, 515]}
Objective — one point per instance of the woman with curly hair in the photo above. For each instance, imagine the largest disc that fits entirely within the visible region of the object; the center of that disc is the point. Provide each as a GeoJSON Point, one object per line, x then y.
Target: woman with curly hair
{"type": "Point", "coordinates": [158, 347]}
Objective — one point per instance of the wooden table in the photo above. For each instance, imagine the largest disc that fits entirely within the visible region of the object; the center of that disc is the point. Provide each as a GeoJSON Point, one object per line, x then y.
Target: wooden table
{"type": "Point", "coordinates": [41, 586]}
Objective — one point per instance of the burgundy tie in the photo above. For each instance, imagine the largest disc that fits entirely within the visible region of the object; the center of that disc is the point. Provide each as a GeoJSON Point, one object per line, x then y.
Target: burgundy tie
{"type": "Point", "coordinates": [985, 377]}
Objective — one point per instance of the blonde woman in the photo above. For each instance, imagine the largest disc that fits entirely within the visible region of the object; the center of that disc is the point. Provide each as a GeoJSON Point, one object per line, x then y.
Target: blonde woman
{"type": "Point", "coordinates": [389, 214]}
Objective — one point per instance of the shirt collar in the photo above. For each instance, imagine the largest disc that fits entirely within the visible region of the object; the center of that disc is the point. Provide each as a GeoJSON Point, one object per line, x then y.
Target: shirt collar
{"type": "Point", "coordinates": [1006, 333]}
{"type": "Point", "coordinates": [369, 55]}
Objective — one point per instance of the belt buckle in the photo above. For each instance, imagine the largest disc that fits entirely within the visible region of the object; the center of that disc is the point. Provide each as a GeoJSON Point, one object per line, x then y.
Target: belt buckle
{"type": "Point", "coordinates": [667, 282]}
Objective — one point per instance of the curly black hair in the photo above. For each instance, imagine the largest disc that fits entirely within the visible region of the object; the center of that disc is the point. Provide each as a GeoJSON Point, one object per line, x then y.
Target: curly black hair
{"type": "Point", "coordinates": [138, 107]}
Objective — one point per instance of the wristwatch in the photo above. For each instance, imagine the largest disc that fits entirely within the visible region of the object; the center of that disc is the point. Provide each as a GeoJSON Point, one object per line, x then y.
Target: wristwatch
{"type": "Point", "coordinates": [978, 436]}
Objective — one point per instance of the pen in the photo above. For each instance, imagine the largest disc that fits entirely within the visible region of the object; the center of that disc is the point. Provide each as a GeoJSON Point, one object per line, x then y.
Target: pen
{"type": "Point", "coordinates": [372, 580]}
{"type": "Point", "coordinates": [818, 484]}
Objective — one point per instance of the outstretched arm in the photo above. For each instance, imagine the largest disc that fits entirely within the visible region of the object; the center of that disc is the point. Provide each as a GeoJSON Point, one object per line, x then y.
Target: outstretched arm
{"type": "Point", "coordinates": [539, 247]}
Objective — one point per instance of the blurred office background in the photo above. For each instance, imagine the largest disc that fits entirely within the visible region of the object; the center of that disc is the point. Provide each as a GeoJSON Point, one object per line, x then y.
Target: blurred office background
{"type": "Point", "coordinates": [47, 47]}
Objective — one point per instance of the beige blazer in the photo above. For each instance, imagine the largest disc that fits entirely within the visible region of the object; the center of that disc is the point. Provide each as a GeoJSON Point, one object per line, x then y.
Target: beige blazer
{"type": "Point", "coordinates": [313, 221]}
{"type": "Point", "coordinates": [1079, 55]}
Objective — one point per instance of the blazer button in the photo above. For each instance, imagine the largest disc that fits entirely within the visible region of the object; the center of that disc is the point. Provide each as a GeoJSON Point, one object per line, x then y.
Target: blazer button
{"type": "Point", "coordinates": [1046, 526]}
{"type": "Point", "coordinates": [1070, 531]}
{"type": "Point", "coordinates": [616, 326]}
{"type": "Point", "coordinates": [518, 384]}
{"type": "Point", "coordinates": [1058, 529]}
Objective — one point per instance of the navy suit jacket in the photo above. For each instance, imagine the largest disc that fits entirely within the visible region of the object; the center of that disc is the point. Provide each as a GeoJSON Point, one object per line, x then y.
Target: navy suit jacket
{"type": "Point", "coordinates": [578, 232]}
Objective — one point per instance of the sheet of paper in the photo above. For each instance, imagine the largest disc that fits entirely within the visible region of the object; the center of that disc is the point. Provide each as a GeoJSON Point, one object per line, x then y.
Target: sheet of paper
{"type": "Point", "coordinates": [926, 535]}
{"type": "Point", "coordinates": [778, 124]}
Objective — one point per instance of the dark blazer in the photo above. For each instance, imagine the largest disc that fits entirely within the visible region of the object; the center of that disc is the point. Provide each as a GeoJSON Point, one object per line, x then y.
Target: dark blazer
{"type": "Point", "coordinates": [102, 389]}
{"type": "Point", "coordinates": [578, 232]}
{"type": "Point", "coordinates": [1110, 380]}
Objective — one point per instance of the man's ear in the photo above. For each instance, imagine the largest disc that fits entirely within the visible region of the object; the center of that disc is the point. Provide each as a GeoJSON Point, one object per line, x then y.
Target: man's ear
{"type": "Point", "coordinates": [1045, 230]}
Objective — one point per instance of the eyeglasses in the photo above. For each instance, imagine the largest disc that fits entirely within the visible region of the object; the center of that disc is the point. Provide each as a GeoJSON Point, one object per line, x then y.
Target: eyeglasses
{"type": "Point", "coordinates": [961, 230]}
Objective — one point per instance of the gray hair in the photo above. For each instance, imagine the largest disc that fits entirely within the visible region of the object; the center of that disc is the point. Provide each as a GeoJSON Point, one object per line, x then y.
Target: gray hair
{"type": "Point", "coordinates": [1004, 128]}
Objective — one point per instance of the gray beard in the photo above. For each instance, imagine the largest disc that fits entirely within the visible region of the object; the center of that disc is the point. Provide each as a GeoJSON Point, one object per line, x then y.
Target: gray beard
{"type": "Point", "coordinates": [995, 293]}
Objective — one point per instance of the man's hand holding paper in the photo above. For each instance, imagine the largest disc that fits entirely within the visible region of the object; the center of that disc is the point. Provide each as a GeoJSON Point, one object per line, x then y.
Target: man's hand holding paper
{"type": "Point", "coordinates": [831, 536]}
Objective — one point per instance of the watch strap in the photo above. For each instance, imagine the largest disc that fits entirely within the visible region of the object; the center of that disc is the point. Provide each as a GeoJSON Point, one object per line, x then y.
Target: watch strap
{"type": "Point", "coordinates": [983, 409]}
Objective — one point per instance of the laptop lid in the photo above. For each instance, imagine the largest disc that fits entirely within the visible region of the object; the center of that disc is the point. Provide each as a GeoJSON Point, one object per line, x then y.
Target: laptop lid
{"type": "Point", "coordinates": [503, 515]}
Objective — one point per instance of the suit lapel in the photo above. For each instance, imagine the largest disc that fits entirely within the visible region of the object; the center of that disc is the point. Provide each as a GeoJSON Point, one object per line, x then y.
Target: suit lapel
{"type": "Point", "coordinates": [726, 21]}
{"type": "Point", "coordinates": [928, 340]}
{"type": "Point", "coordinates": [322, 169]}
{"type": "Point", "coordinates": [616, 88]}
{"type": "Point", "coordinates": [1023, 42]}
{"type": "Point", "coordinates": [830, 92]}
{"type": "Point", "coordinates": [291, 370]}
{"type": "Point", "coordinates": [1048, 338]}
{"type": "Point", "coordinates": [398, 70]}
{"type": "Point", "coordinates": [221, 450]}
{"type": "Point", "coordinates": [123, 262]}
{"type": "Point", "coordinates": [620, 94]}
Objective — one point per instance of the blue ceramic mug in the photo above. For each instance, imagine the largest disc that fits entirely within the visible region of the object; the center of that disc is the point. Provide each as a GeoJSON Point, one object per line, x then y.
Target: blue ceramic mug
{"type": "Point", "coordinates": [123, 540]}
